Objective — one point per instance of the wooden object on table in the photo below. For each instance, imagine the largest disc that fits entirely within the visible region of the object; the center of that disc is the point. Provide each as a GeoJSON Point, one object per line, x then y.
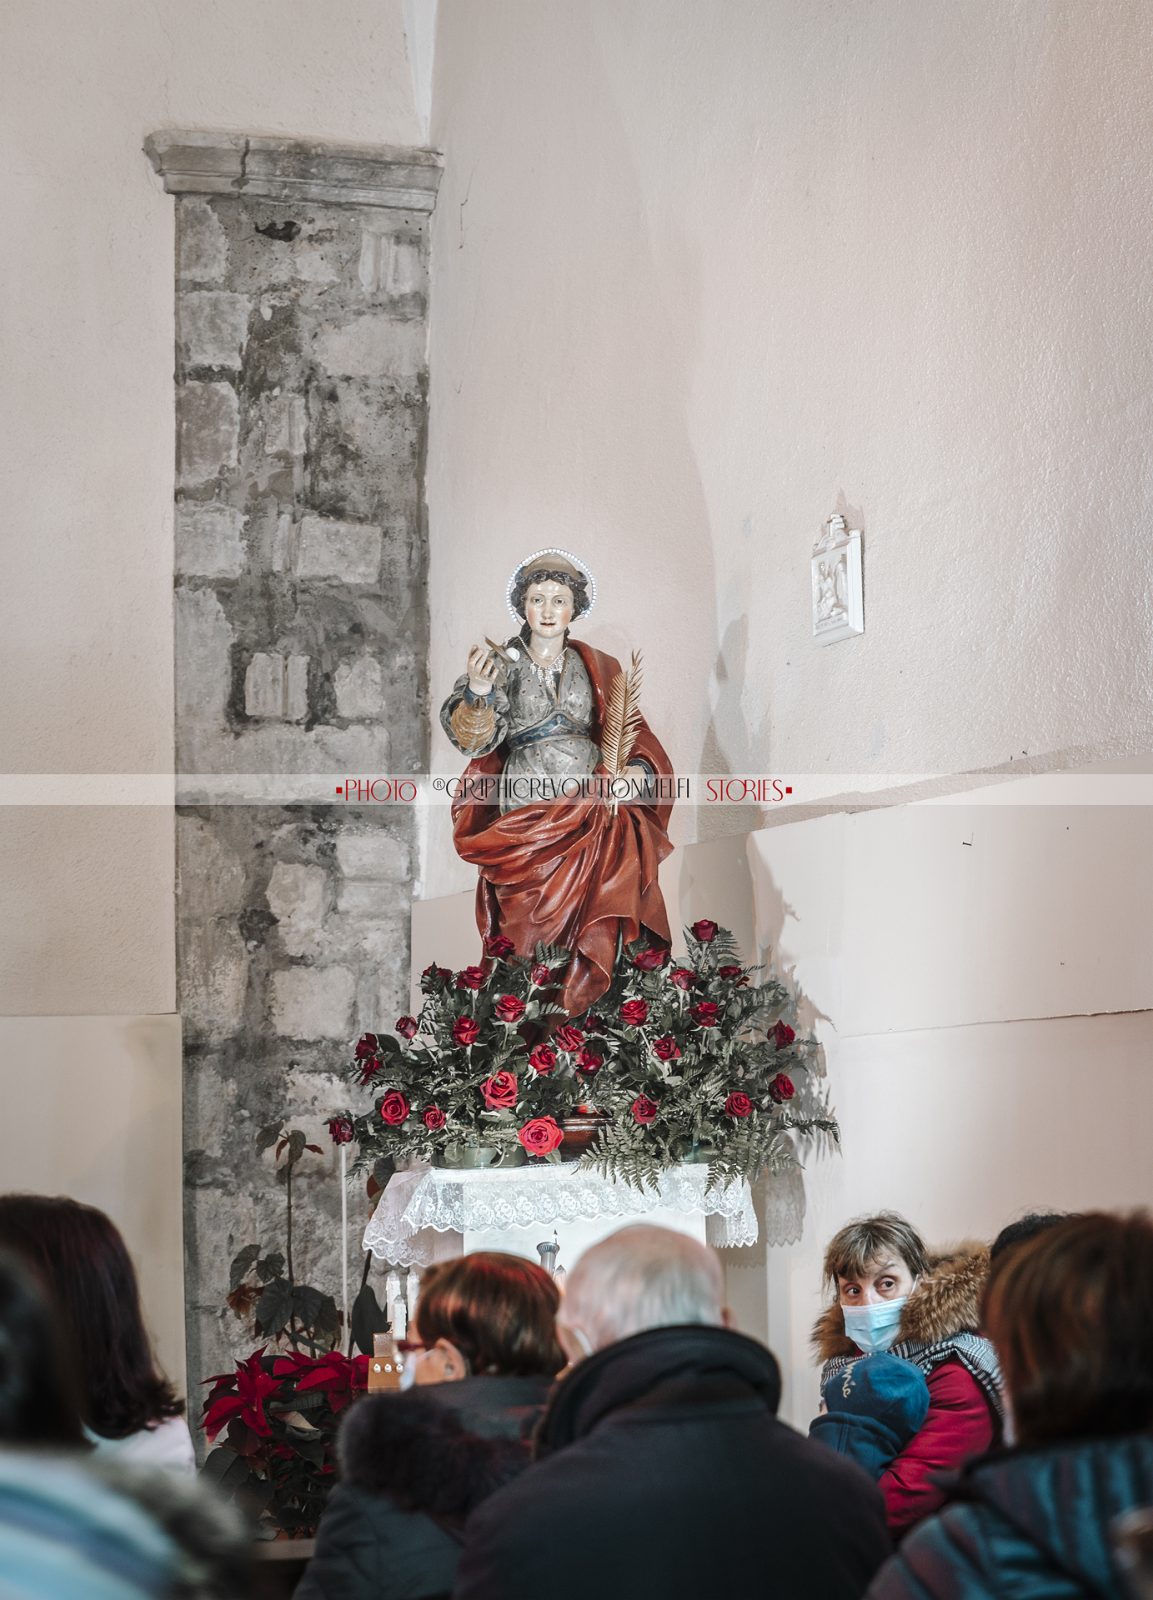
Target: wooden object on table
{"type": "Point", "coordinates": [386, 1365]}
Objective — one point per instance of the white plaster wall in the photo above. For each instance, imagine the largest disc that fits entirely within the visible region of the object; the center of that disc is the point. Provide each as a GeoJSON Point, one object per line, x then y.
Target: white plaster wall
{"type": "Point", "coordinates": [970, 971]}
{"type": "Point", "coordinates": [92, 1110]}
{"type": "Point", "coordinates": [703, 274]}
{"type": "Point", "coordinates": [86, 404]}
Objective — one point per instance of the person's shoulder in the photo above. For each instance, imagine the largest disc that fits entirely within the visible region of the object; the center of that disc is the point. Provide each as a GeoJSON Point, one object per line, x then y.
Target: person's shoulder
{"type": "Point", "coordinates": [167, 1444]}
{"type": "Point", "coordinates": [946, 1557]}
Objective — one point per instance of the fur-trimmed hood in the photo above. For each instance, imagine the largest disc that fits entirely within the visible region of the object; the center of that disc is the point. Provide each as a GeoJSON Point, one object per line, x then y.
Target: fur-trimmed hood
{"type": "Point", "coordinates": [422, 1456]}
{"type": "Point", "coordinates": [944, 1302]}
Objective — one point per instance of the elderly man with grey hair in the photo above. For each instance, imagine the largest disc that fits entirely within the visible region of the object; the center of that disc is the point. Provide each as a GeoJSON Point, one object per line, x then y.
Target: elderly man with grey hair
{"type": "Point", "coordinates": [660, 1466]}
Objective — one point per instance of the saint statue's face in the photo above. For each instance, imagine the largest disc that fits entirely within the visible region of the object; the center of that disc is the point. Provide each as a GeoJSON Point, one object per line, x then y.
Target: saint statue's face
{"type": "Point", "coordinates": [548, 608]}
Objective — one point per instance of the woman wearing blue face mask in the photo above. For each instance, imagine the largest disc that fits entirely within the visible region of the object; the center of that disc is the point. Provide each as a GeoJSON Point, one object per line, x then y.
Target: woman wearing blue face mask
{"type": "Point", "coordinates": [893, 1295]}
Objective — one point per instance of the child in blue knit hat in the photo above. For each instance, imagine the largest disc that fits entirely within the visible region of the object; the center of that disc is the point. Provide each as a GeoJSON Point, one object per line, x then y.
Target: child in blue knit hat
{"type": "Point", "coordinates": [871, 1409]}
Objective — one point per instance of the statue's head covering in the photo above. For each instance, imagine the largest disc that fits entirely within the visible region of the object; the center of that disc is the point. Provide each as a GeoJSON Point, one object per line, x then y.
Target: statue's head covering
{"type": "Point", "coordinates": [561, 567]}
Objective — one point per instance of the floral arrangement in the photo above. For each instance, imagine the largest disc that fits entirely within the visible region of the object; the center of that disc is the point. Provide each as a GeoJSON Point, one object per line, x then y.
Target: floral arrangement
{"type": "Point", "coordinates": [473, 1069]}
{"type": "Point", "coordinates": [693, 1060]}
{"type": "Point", "coordinates": [279, 1412]}
{"type": "Point", "coordinates": [680, 1060]}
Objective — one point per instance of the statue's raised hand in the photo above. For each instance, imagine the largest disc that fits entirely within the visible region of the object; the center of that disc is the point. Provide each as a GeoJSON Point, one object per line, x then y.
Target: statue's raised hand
{"type": "Point", "coordinates": [482, 665]}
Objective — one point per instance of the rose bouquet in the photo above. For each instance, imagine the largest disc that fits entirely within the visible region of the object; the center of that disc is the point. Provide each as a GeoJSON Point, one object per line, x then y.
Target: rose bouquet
{"type": "Point", "coordinates": [472, 1070]}
{"type": "Point", "coordinates": [693, 1060]}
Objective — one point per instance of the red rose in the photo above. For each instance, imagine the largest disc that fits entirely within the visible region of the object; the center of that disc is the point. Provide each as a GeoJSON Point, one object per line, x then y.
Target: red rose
{"type": "Point", "coordinates": [540, 1136]}
{"type": "Point", "coordinates": [369, 1070]}
{"type": "Point", "coordinates": [434, 975]}
{"type": "Point", "coordinates": [595, 1024]}
{"type": "Point", "coordinates": [644, 1109]}
{"type": "Point", "coordinates": [781, 1089]}
{"type": "Point", "coordinates": [367, 1045]}
{"type": "Point", "coordinates": [649, 960]}
{"type": "Point", "coordinates": [704, 1014]}
{"type": "Point", "coordinates": [568, 1038]}
{"type": "Point", "coordinates": [542, 1060]}
{"type": "Point", "coordinates": [465, 1030]}
{"type": "Point", "coordinates": [500, 1091]}
{"type": "Point", "coordinates": [738, 1104]}
{"type": "Point", "coordinates": [471, 978]}
{"type": "Point", "coordinates": [340, 1130]}
{"type": "Point", "coordinates": [587, 1062]}
{"type": "Point", "coordinates": [540, 974]}
{"type": "Point", "coordinates": [499, 946]}
{"type": "Point", "coordinates": [683, 977]}
{"type": "Point", "coordinates": [667, 1049]}
{"type": "Point", "coordinates": [509, 1009]}
{"type": "Point", "coordinates": [704, 931]}
{"type": "Point", "coordinates": [783, 1035]}
{"type": "Point", "coordinates": [406, 1026]}
{"type": "Point", "coordinates": [394, 1108]}
{"type": "Point", "coordinates": [634, 1012]}
{"type": "Point", "coordinates": [433, 1118]}
{"type": "Point", "coordinates": [736, 973]}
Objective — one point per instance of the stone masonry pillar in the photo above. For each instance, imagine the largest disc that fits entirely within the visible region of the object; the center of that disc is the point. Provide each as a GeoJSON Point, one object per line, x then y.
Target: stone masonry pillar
{"type": "Point", "coordinates": [301, 645]}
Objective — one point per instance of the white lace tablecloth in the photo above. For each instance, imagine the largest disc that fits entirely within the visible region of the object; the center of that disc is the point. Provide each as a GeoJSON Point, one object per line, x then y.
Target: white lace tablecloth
{"type": "Point", "coordinates": [439, 1200]}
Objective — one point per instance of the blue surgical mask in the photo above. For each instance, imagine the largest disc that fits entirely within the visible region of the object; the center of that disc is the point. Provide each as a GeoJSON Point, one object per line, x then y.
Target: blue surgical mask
{"type": "Point", "coordinates": [874, 1327]}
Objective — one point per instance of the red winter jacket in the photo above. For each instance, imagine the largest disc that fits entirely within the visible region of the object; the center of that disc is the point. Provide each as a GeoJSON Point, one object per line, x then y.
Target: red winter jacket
{"type": "Point", "coordinates": [962, 1421]}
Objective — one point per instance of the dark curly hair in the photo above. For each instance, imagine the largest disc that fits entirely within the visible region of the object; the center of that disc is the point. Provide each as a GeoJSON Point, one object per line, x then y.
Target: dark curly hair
{"type": "Point", "coordinates": [82, 1265]}
{"type": "Point", "coordinates": [527, 576]}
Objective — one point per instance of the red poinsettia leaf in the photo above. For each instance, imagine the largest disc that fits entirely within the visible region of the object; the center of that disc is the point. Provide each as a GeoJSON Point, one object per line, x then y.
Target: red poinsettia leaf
{"type": "Point", "coordinates": [218, 1413]}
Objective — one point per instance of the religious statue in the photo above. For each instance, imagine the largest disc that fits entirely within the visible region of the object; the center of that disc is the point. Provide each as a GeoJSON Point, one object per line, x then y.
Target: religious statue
{"type": "Point", "coordinates": [580, 872]}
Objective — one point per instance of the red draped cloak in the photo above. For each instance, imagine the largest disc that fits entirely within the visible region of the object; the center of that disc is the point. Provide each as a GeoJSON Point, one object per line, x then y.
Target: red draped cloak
{"type": "Point", "coordinates": [572, 873]}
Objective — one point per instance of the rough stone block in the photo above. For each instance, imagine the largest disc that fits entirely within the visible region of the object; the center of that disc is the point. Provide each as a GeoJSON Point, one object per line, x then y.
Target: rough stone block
{"type": "Point", "coordinates": [212, 327]}
{"type": "Point", "coordinates": [377, 856]}
{"type": "Point", "coordinates": [297, 895]}
{"type": "Point", "coordinates": [296, 689]}
{"type": "Point", "coordinates": [314, 266]}
{"type": "Point", "coordinates": [203, 674]}
{"type": "Point", "coordinates": [313, 1002]}
{"type": "Point", "coordinates": [359, 688]}
{"type": "Point", "coordinates": [208, 542]}
{"type": "Point", "coordinates": [207, 430]}
{"type": "Point", "coordinates": [201, 243]}
{"type": "Point", "coordinates": [357, 899]}
{"type": "Point", "coordinates": [390, 265]}
{"type": "Point", "coordinates": [213, 979]}
{"type": "Point", "coordinates": [275, 687]}
{"type": "Point", "coordinates": [211, 877]}
{"type": "Point", "coordinates": [330, 549]}
{"type": "Point", "coordinates": [365, 446]}
{"type": "Point", "coordinates": [372, 346]}
{"type": "Point", "coordinates": [285, 425]}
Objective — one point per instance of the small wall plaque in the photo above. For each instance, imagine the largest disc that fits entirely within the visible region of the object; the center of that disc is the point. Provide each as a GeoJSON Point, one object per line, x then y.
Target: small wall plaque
{"type": "Point", "coordinates": [838, 593]}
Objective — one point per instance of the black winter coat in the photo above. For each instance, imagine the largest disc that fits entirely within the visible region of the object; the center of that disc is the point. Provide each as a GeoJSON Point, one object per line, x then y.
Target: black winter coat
{"type": "Point", "coordinates": [1027, 1524]}
{"type": "Point", "coordinates": [412, 1466]}
{"type": "Point", "coordinates": [661, 1470]}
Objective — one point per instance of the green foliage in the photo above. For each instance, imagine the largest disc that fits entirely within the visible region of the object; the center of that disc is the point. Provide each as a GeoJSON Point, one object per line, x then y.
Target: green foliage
{"type": "Point", "coordinates": [701, 1062]}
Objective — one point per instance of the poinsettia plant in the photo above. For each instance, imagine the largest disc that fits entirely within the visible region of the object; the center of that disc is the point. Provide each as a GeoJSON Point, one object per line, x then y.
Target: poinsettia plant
{"type": "Point", "coordinates": [279, 1412]}
{"type": "Point", "coordinates": [475, 1067]}
{"type": "Point", "coordinates": [694, 1059]}
{"type": "Point", "coordinates": [273, 1420]}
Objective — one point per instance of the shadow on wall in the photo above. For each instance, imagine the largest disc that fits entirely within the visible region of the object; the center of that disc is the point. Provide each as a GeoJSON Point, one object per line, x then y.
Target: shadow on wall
{"type": "Point", "coordinates": [593, 449]}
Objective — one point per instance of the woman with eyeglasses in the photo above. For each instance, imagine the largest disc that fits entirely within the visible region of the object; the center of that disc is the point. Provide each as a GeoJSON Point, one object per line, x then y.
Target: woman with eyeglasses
{"type": "Point", "coordinates": [413, 1465]}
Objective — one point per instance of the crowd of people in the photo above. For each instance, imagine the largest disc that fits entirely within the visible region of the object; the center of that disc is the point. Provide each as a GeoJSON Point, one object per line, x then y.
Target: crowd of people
{"type": "Point", "coordinates": [986, 1418]}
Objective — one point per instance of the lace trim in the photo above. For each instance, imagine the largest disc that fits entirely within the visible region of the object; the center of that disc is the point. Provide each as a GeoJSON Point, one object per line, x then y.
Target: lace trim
{"type": "Point", "coordinates": [419, 1204]}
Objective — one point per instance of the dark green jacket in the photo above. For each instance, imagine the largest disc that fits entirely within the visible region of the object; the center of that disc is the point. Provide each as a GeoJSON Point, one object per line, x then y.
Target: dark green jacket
{"type": "Point", "coordinates": [1027, 1524]}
